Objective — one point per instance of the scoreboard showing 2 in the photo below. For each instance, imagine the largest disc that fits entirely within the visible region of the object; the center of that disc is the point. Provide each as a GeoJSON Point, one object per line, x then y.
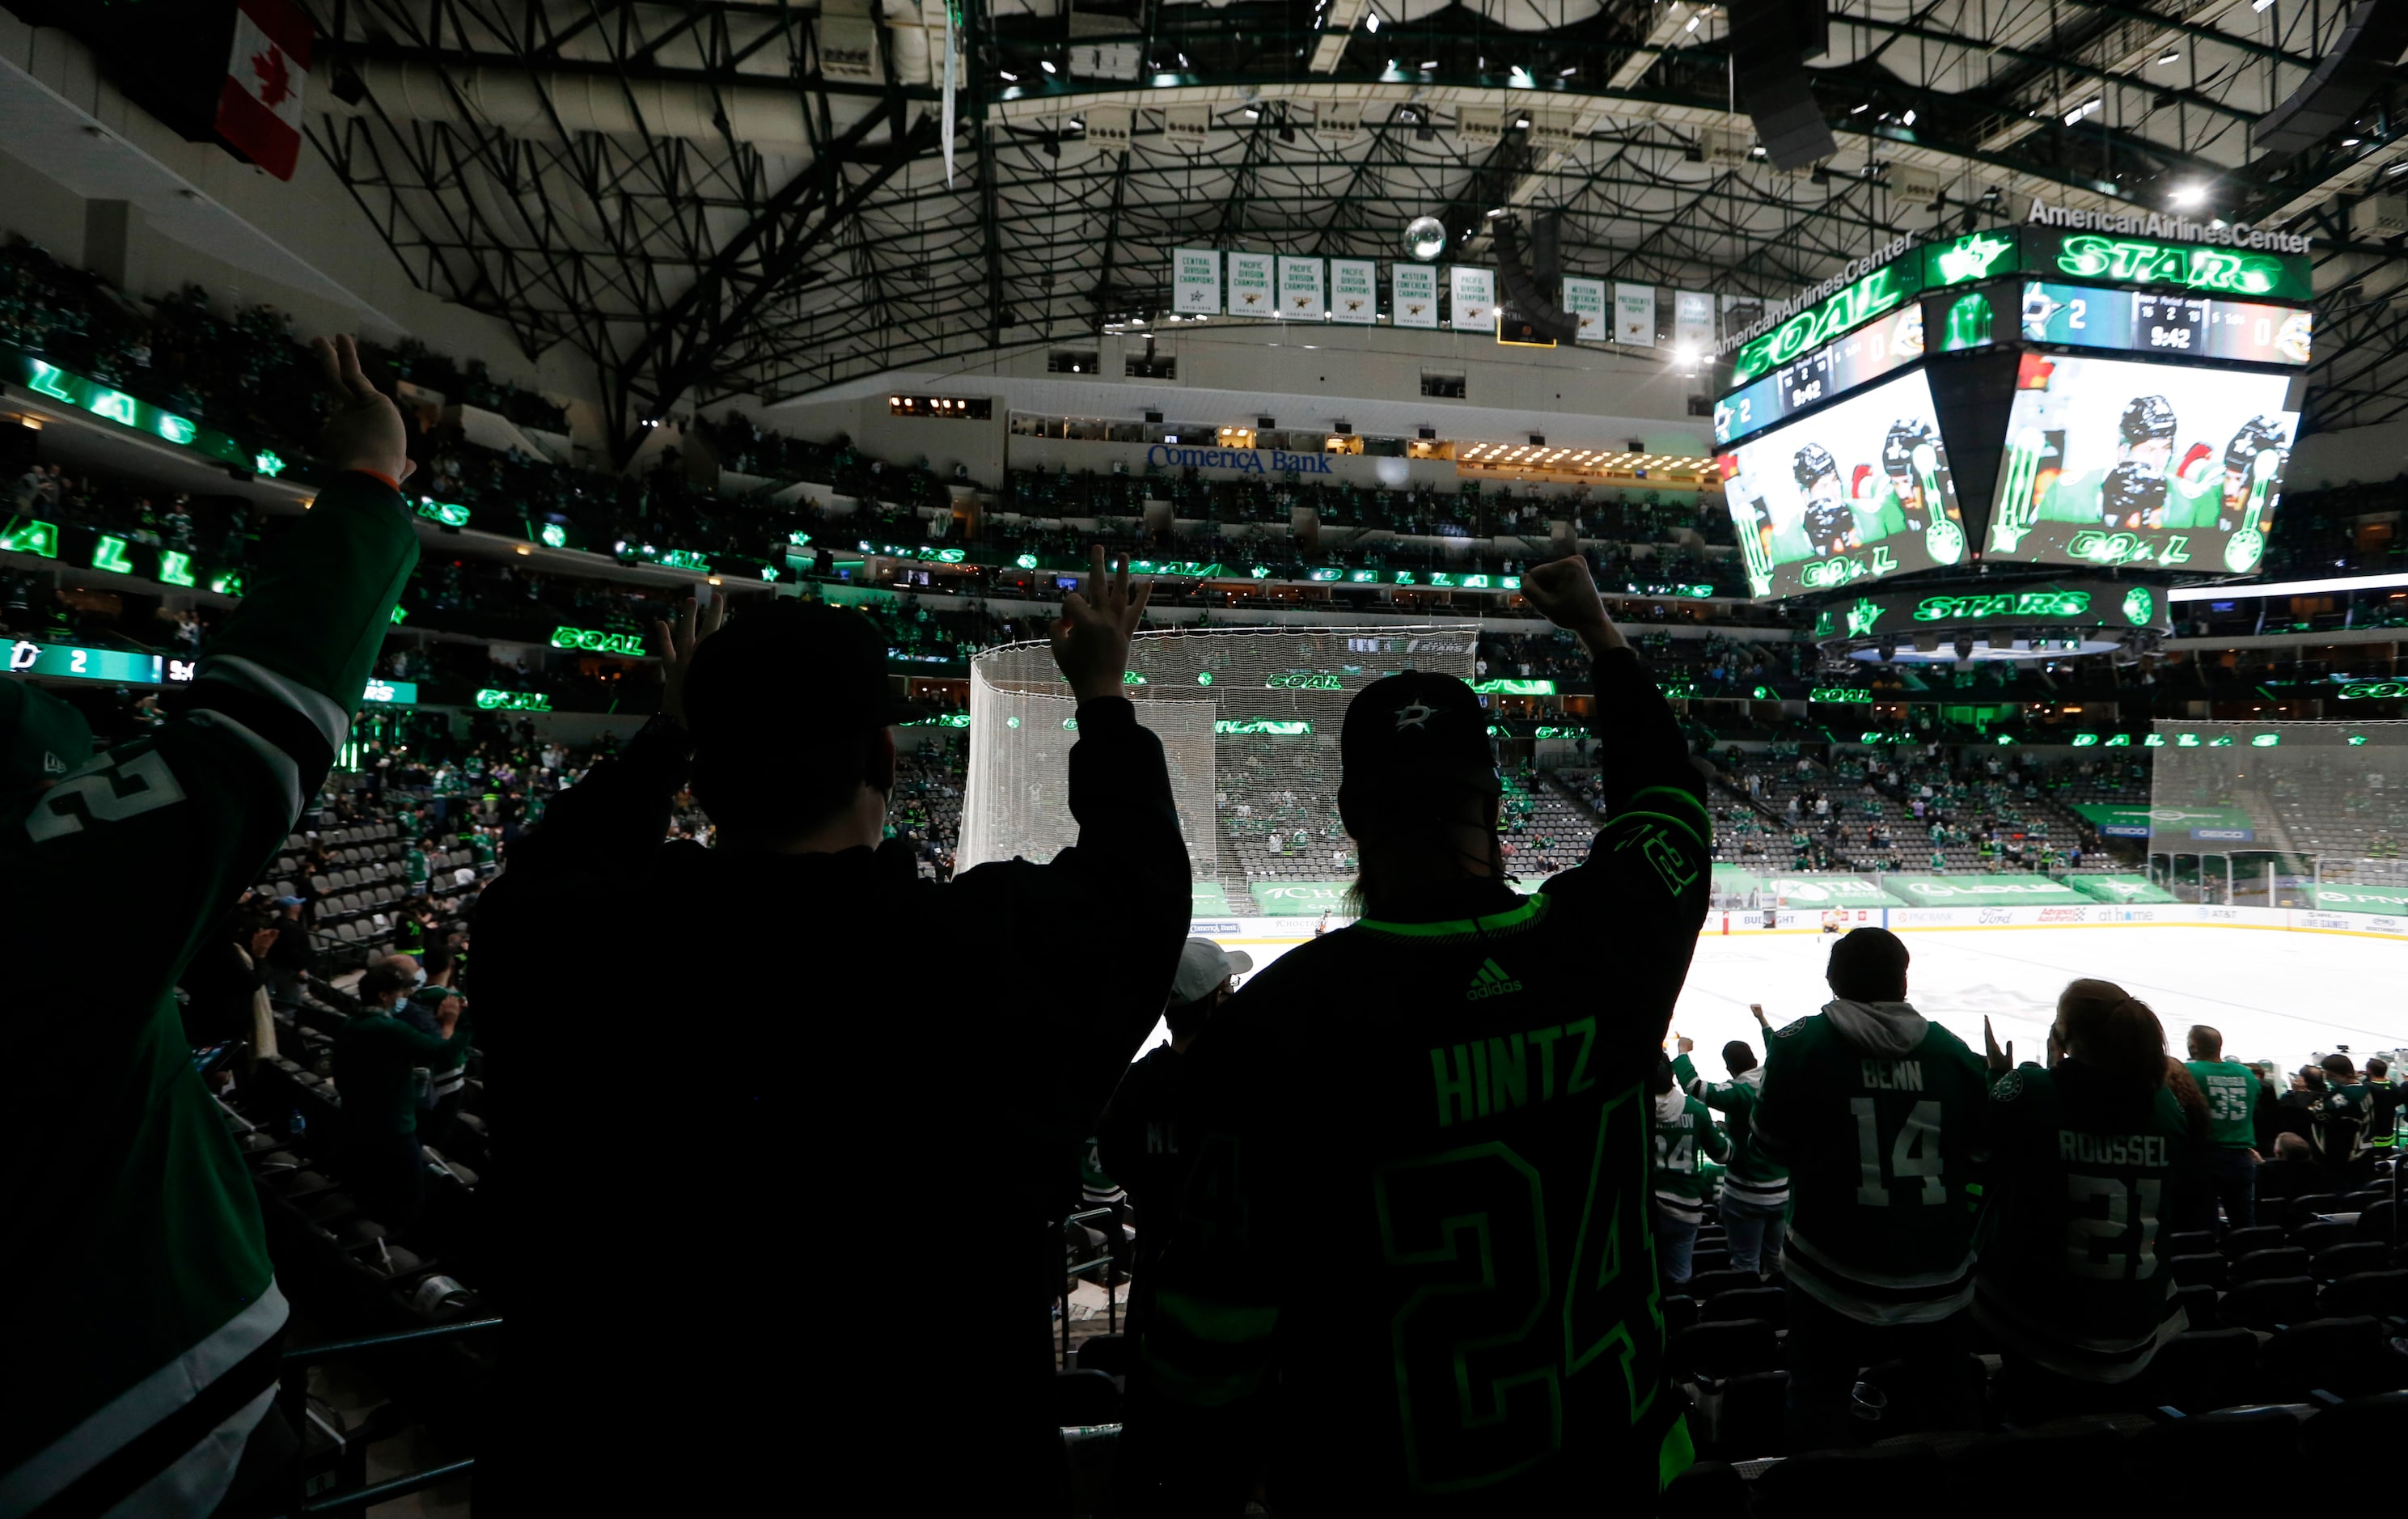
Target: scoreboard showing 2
{"type": "Point", "coordinates": [2174, 325]}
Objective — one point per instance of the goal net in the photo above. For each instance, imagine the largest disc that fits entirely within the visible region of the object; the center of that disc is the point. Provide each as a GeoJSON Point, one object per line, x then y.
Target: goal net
{"type": "Point", "coordinates": [2282, 814]}
{"type": "Point", "coordinates": [1248, 718]}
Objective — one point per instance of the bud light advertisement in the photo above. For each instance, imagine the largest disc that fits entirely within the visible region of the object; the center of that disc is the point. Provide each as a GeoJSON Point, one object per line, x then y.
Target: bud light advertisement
{"type": "Point", "coordinates": [1857, 492]}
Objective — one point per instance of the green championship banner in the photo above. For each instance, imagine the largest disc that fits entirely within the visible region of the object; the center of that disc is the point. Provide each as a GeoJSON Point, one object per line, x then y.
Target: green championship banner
{"type": "Point", "coordinates": [2348, 898]}
{"type": "Point", "coordinates": [1982, 891]}
{"type": "Point", "coordinates": [1299, 898]}
{"type": "Point", "coordinates": [2120, 889]}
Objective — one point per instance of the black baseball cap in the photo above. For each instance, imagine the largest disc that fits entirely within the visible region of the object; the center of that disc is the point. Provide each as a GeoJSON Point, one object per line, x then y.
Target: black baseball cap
{"type": "Point", "coordinates": [1415, 741]}
{"type": "Point", "coordinates": [792, 670]}
{"type": "Point", "coordinates": [41, 737]}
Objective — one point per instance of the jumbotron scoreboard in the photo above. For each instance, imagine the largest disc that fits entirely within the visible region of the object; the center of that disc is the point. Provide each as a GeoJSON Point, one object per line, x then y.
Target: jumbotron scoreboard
{"type": "Point", "coordinates": [2086, 392]}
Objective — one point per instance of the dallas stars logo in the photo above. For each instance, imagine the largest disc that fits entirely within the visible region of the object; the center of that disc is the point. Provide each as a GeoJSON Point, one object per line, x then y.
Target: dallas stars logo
{"type": "Point", "coordinates": [1417, 715]}
{"type": "Point", "coordinates": [1862, 616]}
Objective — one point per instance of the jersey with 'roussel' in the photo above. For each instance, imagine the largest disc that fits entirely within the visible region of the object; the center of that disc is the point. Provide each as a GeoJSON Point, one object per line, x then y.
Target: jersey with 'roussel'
{"type": "Point", "coordinates": [1683, 1145]}
{"type": "Point", "coordinates": [2082, 1177]}
{"type": "Point", "coordinates": [2231, 1089]}
{"type": "Point", "coordinates": [1466, 1091]}
{"type": "Point", "coordinates": [1883, 1155]}
{"type": "Point", "coordinates": [140, 1313]}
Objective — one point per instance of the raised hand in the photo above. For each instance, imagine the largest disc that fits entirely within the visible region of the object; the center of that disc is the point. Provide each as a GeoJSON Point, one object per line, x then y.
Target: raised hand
{"type": "Point", "coordinates": [1565, 594]}
{"type": "Point", "coordinates": [2001, 1060]}
{"type": "Point", "coordinates": [1757, 1008]}
{"type": "Point", "coordinates": [1091, 639]}
{"type": "Point", "coordinates": [364, 430]}
{"type": "Point", "coordinates": [676, 644]}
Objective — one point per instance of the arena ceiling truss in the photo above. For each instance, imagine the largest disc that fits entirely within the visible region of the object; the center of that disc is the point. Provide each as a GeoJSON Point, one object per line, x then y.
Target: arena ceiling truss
{"type": "Point", "coordinates": [715, 199]}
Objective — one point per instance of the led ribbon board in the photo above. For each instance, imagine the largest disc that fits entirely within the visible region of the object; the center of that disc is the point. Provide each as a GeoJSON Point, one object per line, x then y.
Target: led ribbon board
{"type": "Point", "coordinates": [2173, 325]}
{"type": "Point", "coordinates": [46, 379]}
{"type": "Point", "coordinates": [1873, 295]}
{"type": "Point", "coordinates": [2200, 268]}
{"type": "Point", "coordinates": [596, 641]}
{"type": "Point", "coordinates": [2076, 603]}
{"type": "Point", "coordinates": [514, 701]}
{"type": "Point", "coordinates": [26, 657]}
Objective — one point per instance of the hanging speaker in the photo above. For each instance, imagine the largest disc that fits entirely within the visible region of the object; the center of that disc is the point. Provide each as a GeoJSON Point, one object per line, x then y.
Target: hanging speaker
{"type": "Point", "coordinates": [2361, 62]}
{"type": "Point", "coordinates": [1528, 270]}
{"type": "Point", "coordinates": [1770, 41]}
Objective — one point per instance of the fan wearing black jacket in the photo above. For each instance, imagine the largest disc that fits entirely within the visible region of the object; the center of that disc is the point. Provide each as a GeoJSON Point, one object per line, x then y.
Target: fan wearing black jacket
{"type": "Point", "coordinates": [1461, 1075]}
{"type": "Point", "coordinates": [809, 1013]}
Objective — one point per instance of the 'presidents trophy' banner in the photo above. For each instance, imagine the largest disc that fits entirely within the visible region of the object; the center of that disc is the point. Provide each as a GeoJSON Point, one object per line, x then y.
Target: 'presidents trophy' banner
{"type": "Point", "coordinates": [1413, 295]}
{"type": "Point", "coordinates": [1196, 280]}
{"type": "Point", "coordinates": [1634, 315]}
{"type": "Point", "coordinates": [1475, 299]}
{"type": "Point", "coordinates": [1250, 286]}
{"type": "Point", "coordinates": [1585, 303]}
{"type": "Point", "coordinates": [1354, 291]}
{"type": "Point", "coordinates": [1303, 294]}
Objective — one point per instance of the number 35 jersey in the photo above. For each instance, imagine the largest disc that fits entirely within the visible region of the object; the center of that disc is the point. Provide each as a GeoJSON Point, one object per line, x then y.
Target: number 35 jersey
{"type": "Point", "coordinates": [1415, 1242]}
{"type": "Point", "coordinates": [2085, 1171]}
{"type": "Point", "coordinates": [1884, 1137]}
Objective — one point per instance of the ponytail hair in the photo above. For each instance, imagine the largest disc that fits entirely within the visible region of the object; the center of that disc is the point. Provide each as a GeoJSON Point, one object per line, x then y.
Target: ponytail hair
{"type": "Point", "coordinates": [2107, 1028]}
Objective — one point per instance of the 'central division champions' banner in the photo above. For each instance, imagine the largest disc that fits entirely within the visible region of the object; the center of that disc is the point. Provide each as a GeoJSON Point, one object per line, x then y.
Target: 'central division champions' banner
{"type": "Point", "coordinates": [1196, 281]}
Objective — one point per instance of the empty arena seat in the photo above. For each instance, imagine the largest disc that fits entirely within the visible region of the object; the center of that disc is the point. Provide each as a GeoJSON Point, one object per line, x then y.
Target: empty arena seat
{"type": "Point", "coordinates": [2350, 1432]}
{"type": "Point", "coordinates": [2374, 1221]}
{"type": "Point", "coordinates": [2344, 1355]}
{"type": "Point", "coordinates": [2192, 1242]}
{"type": "Point", "coordinates": [1680, 1311]}
{"type": "Point", "coordinates": [2208, 1270]}
{"type": "Point", "coordinates": [2227, 1439]}
{"type": "Point", "coordinates": [2337, 1261]}
{"type": "Point", "coordinates": [2323, 1234]}
{"type": "Point", "coordinates": [1725, 1349]}
{"type": "Point", "coordinates": [2260, 1265]}
{"type": "Point", "coordinates": [1771, 1304]}
{"type": "Point", "coordinates": [2261, 1237]}
{"type": "Point", "coordinates": [1752, 1415]}
{"type": "Point", "coordinates": [2383, 1292]}
{"type": "Point", "coordinates": [2202, 1370]}
{"type": "Point", "coordinates": [2262, 1305]}
{"type": "Point", "coordinates": [2306, 1210]}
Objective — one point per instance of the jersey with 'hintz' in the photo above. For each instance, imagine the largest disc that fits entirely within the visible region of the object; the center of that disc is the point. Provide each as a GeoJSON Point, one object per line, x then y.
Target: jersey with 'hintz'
{"type": "Point", "coordinates": [1462, 1089]}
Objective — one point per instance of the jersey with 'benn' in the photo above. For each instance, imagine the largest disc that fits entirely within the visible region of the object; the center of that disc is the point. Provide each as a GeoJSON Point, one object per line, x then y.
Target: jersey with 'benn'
{"type": "Point", "coordinates": [1465, 1086]}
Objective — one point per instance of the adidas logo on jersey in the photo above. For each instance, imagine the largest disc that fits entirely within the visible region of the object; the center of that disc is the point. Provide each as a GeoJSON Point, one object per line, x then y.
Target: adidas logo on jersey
{"type": "Point", "coordinates": [1491, 980]}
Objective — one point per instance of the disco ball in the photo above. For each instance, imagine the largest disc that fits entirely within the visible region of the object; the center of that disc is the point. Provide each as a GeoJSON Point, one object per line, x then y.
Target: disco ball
{"type": "Point", "coordinates": [1424, 238]}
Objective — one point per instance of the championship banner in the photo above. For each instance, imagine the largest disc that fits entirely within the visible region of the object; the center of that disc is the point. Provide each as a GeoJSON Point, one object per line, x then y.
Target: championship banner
{"type": "Point", "coordinates": [1634, 315]}
{"type": "Point", "coordinates": [1693, 320]}
{"type": "Point", "coordinates": [1585, 303]}
{"type": "Point", "coordinates": [1250, 286]}
{"type": "Point", "coordinates": [1196, 281]}
{"type": "Point", "coordinates": [1475, 299]}
{"type": "Point", "coordinates": [1413, 295]}
{"type": "Point", "coordinates": [1354, 291]}
{"type": "Point", "coordinates": [1303, 291]}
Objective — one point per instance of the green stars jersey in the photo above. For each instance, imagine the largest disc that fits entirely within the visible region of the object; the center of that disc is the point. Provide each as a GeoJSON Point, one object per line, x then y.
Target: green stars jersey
{"type": "Point", "coordinates": [2231, 1092]}
{"type": "Point", "coordinates": [2085, 1170]}
{"type": "Point", "coordinates": [138, 1312]}
{"type": "Point", "coordinates": [1464, 1084]}
{"type": "Point", "coordinates": [1884, 1142]}
{"type": "Point", "coordinates": [1685, 1141]}
{"type": "Point", "coordinates": [1753, 1177]}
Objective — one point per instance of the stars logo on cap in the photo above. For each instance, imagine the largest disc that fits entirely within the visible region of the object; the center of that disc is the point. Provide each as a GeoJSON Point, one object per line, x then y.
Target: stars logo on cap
{"type": "Point", "coordinates": [1415, 716]}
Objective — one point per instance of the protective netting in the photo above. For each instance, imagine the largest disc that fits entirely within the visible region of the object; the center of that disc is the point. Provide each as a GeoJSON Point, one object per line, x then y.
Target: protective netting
{"type": "Point", "coordinates": [2312, 812]}
{"type": "Point", "coordinates": [1249, 718]}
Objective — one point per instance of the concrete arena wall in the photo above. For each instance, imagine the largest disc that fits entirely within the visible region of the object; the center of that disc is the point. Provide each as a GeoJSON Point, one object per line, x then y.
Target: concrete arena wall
{"type": "Point", "coordinates": [1239, 931]}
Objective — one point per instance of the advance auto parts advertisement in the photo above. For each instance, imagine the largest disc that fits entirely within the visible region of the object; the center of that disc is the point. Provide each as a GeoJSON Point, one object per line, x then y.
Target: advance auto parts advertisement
{"type": "Point", "coordinates": [2110, 461]}
{"type": "Point", "coordinates": [1856, 492]}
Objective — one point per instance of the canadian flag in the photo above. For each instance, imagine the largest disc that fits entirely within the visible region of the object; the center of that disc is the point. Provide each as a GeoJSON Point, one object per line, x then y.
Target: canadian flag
{"type": "Point", "coordinates": [259, 108]}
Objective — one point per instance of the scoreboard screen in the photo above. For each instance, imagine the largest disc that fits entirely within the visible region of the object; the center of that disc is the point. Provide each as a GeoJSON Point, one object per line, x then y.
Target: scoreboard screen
{"type": "Point", "coordinates": [2114, 462]}
{"type": "Point", "coordinates": [1861, 358]}
{"type": "Point", "coordinates": [2173, 325]}
{"type": "Point", "coordinates": [1856, 492]}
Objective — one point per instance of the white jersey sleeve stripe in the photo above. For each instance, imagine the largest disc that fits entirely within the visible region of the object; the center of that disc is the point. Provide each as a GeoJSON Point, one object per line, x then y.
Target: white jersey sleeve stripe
{"type": "Point", "coordinates": [123, 1420]}
{"type": "Point", "coordinates": [332, 720]}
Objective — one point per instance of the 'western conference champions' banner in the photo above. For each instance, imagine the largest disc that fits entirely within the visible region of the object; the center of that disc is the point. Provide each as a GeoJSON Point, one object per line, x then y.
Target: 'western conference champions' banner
{"type": "Point", "coordinates": [1196, 281]}
{"type": "Point", "coordinates": [1475, 299]}
{"type": "Point", "coordinates": [1250, 286]}
{"type": "Point", "coordinates": [1585, 303]}
{"type": "Point", "coordinates": [1303, 294]}
{"type": "Point", "coordinates": [1413, 295]}
{"type": "Point", "coordinates": [1354, 291]}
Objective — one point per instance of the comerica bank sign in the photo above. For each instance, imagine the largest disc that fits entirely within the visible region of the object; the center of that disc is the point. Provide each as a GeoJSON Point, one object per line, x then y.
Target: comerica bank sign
{"type": "Point", "coordinates": [1244, 461]}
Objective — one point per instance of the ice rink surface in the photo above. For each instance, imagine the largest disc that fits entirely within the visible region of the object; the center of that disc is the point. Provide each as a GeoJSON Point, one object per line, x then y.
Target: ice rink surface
{"type": "Point", "coordinates": [2276, 996]}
